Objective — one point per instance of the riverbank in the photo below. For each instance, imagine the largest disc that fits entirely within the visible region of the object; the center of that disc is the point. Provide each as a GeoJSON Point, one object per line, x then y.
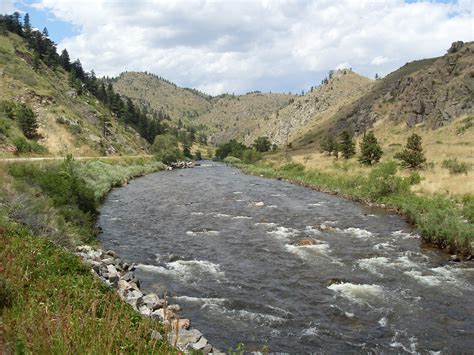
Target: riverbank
{"type": "Point", "coordinates": [49, 300]}
{"type": "Point", "coordinates": [444, 221]}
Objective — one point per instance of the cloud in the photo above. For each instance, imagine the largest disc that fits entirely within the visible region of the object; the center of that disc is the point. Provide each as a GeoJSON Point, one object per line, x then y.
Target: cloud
{"type": "Point", "coordinates": [240, 46]}
{"type": "Point", "coordinates": [379, 60]}
{"type": "Point", "coordinates": [7, 6]}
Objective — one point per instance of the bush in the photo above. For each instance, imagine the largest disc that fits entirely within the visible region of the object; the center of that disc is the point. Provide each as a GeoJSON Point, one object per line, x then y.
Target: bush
{"type": "Point", "coordinates": [456, 167]}
{"type": "Point", "coordinates": [262, 144]}
{"type": "Point", "coordinates": [23, 145]}
{"type": "Point", "coordinates": [412, 157]}
{"type": "Point", "coordinates": [370, 150]}
{"type": "Point", "coordinates": [26, 120]}
{"type": "Point", "coordinates": [4, 126]}
{"type": "Point", "coordinates": [232, 160]}
{"type": "Point", "coordinates": [295, 167]}
{"type": "Point", "coordinates": [166, 148]}
{"type": "Point", "coordinates": [250, 156]}
{"type": "Point", "coordinates": [198, 155]}
{"type": "Point", "coordinates": [384, 182]}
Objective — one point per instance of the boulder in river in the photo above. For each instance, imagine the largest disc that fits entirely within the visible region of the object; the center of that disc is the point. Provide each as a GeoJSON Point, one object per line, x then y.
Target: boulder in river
{"type": "Point", "coordinates": [259, 204]}
{"type": "Point", "coordinates": [304, 242]}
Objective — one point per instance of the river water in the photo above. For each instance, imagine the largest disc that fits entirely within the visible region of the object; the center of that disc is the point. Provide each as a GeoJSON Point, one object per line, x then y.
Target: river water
{"type": "Point", "coordinates": [367, 284]}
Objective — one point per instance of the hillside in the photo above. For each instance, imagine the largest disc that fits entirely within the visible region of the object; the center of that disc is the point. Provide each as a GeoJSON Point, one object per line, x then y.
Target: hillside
{"type": "Point", "coordinates": [239, 117]}
{"type": "Point", "coordinates": [150, 90]}
{"type": "Point", "coordinates": [430, 93]}
{"type": "Point", "coordinates": [315, 108]}
{"type": "Point", "coordinates": [68, 123]}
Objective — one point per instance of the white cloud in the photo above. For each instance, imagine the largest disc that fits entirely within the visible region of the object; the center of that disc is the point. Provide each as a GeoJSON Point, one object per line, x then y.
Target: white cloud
{"type": "Point", "coordinates": [7, 6]}
{"type": "Point", "coordinates": [379, 60]}
{"type": "Point", "coordinates": [250, 45]}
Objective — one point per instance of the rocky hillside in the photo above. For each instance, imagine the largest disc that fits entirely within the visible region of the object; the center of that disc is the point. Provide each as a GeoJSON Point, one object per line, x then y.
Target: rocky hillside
{"type": "Point", "coordinates": [315, 108]}
{"type": "Point", "coordinates": [429, 93]}
{"type": "Point", "coordinates": [240, 117]}
{"type": "Point", "coordinates": [150, 90]}
{"type": "Point", "coordinates": [68, 123]}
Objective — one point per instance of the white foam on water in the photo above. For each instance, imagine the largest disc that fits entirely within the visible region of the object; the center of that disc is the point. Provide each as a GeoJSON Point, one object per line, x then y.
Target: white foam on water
{"type": "Point", "coordinates": [283, 232]}
{"type": "Point", "coordinates": [331, 223]}
{"type": "Point", "coordinates": [276, 195]}
{"type": "Point", "coordinates": [221, 215]}
{"type": "Point", "coordinates": [358, 233]}
{"type": "Point", "coordinates": [237, 192]}
{"type": "Point", "coordinates": [383, 246]}
{"type": "Point", "coordinates": [373, 264]}
{"type": "Point", "coordinates": [196, 213]}
{"type": "Point", "coordinates": [206, 302]}
{"type": "Point", "coordinates": [202, 233]}
{"type": "Point", "coordinates": [266, 224]}
{"type": "Point", "coordinates": [359, 293]}
{"type": "Point", "coordinates": [240, 200]}
{"type": "Point", "coordinates": [247, 316]}
{"type": "Point", "coordinates": [242, 217]}
{"type": "Point", "coordinates": [305, 251]}
{"type": "Point", "coordinates": [309, 332]}
{"type": "Point", "coordinates": [311, 229]}
{"type": "Point", "coordinates": [272, 206]}
{"type": "Point", "coordinates": [186, 269]}
{"type": "Point", "coordinates": [397, 344]}
{"type": "Point", "coordinates": [405, 235]}
{"type": "Point", "coordinates": [383, 322]}
{"type": "Point", "coordinates": [314, 204]}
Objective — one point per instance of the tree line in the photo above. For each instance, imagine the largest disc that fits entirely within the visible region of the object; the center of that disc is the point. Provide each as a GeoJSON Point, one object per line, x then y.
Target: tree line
{"type": "Point", "coordinates": [411, 157]}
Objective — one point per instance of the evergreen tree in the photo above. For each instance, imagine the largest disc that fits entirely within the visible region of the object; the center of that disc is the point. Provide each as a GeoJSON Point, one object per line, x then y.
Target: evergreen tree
{"type": "Point", "coordinates": [27, 26]}
{"type": "Point", "coordinates": [347, 145]}
{"type": "Point", "coordinates": [329, 145]}
{"type": "Point", "coordinates": [26, 121]}
{"type": "Point", "coordinates": [45, 33]}
{"type": "Point", "coordinates": [36, 61]}
{"type": "Point", "coordinates": [262, 144]}
{"type": "Point", "coordinates": [412, 157]}
{"type": "Point", "coordinates": [65, 60]}
{"type": "Point", "coordinates": [370, 150]}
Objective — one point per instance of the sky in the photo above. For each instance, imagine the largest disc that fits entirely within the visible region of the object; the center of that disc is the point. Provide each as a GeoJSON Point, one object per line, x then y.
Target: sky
{"type": "Point", "coordinates": [240, 46]}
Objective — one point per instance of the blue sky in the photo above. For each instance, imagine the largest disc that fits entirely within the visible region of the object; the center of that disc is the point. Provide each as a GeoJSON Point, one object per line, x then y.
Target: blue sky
{"type": "Point", "coordinates": [240, 46]}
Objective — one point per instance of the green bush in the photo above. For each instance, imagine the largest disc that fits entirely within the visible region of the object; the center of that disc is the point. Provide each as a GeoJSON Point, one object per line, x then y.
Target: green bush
{"type": "Point", "coordinates": [456, 167]}
{"type": "Point", "coordinates": [251, 156]}
{"type": "Point", "coordinates": [294, 167]}
{"type": "Point", "coordinates": [23, 145]}
{"type": "Point", "coordinates": [26, 119]}
{"type": "Point", "coordinates": [384, 182]}
{"type": "Point", "coordinates": [4, 126]}
{"type": "Point", "coordinates": [232, 160]}
{"type": "Point", "coordinates": [262, 144]}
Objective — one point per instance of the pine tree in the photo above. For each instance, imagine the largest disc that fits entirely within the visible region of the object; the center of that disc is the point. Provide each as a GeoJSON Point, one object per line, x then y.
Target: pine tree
{"type": "Point", "coordinates": [36, 61]}
{"type": "Point", "coordinates": [329, 145]}
{"type": "Point", "coordinates": [65, 60]}
{"type": "Point", "coordinates": [26, 121]}
{"type": "Point", "coordinates": [27, 26]}
{"type": "Point", "coordinates": [412, 157]}
{"type": "Point", "coordinates": [370, 150]}
{"type": "Point", "coordinates": [347, 145]}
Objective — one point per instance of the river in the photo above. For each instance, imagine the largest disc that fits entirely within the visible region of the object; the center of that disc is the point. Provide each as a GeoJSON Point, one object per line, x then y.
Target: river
{"type": "Point", "coordinates": [222, 245]}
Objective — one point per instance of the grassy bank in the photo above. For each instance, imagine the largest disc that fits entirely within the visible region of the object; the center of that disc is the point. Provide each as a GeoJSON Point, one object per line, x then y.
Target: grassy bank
{"type": "Point", "coordinates": [49, 300]}
{"type": "Point", "coordinates": [447, 222]}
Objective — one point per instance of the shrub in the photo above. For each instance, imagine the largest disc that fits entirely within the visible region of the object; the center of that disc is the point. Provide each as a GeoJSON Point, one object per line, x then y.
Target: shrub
{"type": "Point", "coordinates": [456, 167]}
{"type": "Point", "coordinates": [232, 160]}
{"type": "Point", "coordinates": [370, 150]}
{"type": "Point", "coordinates": [166, 148]}
{"type": "Point", "coordinates": [23, 145]}
{"type": "Point", "coordinates": [262, 144]}
{"type": "Point", "coordinates": [412, 157]}
{"type": "Point", "coordinates": [384, 182]}
{"type": "Point", "coordinates": [4, 126]}
{"type": "Point", "coordinates": [295, 167]}
{"type": "Point", "coordinates": [198, 155]}
{"type": "Point", "coordinates": [26, 120]}
{"type": "Point", "coordinates": [251, 156]}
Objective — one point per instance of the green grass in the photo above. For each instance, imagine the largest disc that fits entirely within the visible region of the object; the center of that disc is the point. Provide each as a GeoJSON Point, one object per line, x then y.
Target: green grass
{"type": "Point", "coordinates": [49, 301]}
{"type": "Point", "coordinates": [51, 304]}
{"type": "Point", "coordinates": [442, 220]}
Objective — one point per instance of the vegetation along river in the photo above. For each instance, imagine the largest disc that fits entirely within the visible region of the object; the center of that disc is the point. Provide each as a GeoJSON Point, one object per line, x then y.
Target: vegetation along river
{"type": "Point", "coordinates": [203, 236]}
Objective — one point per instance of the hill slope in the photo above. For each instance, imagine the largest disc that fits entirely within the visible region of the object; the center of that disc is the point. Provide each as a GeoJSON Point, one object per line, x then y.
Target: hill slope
{"type": "Point", "coordinates": [240, 117]}
{"type": "Point", "coordinates": [68, 124]}
{"type": "Point", "coordinates": [429, 92]}
{"type": "Point", "coordinates": [150, 90]}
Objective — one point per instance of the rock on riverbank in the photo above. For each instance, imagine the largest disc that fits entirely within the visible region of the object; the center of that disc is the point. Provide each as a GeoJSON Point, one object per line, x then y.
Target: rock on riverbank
{"type": "Point", "coordinates": [120, 275]}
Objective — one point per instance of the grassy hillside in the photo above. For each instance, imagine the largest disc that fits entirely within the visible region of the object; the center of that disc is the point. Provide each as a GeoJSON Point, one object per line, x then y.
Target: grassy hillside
{"type": "Point", "coordinates": [68, 124]}
{"type": "Point", "coordinates": [239, 117]}
{"type": "Point", "coordinates": [150, 90]}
